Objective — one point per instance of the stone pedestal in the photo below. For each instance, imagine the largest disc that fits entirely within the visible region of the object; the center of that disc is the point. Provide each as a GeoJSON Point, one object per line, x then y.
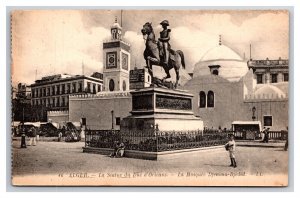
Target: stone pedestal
{"type": "Point", "coordinates": [160, 109]}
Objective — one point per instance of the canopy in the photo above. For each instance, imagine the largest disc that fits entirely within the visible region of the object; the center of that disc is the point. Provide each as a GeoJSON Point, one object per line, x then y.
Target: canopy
{"type": "Point", "coordinates": [234, 123]}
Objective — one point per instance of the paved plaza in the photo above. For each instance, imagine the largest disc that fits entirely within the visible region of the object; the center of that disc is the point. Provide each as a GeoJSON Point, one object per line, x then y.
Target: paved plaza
{"type": "Point", "coordinates": [62, 157]}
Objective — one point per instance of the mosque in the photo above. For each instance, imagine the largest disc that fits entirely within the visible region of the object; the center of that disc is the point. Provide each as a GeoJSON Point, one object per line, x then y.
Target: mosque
{"type": "Point", "coordinates": [227, 89]}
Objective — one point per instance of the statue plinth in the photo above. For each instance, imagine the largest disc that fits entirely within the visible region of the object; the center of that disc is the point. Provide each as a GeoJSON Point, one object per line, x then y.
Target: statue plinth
{"type": "Point", "coordinates": [160, 109]}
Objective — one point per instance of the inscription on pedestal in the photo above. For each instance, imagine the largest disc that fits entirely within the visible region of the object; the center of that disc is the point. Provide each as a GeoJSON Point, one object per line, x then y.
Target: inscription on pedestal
{"type": "Point", "coordinates": [168, 102]}
{"type": "Point", "coordinates": [143, 102]}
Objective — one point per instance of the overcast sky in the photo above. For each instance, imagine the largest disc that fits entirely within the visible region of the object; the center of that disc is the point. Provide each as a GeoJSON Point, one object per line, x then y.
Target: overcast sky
{"type": "Point", "coordinates": [53, 42]}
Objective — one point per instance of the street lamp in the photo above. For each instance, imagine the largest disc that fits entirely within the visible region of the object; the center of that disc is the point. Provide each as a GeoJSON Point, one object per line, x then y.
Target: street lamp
{"type": "Point", "coordinates": [112, 119]}
{"type": "Point", "coordinates": [253, 113]}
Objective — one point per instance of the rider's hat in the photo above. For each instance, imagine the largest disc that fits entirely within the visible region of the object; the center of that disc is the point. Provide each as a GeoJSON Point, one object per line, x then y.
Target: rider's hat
{"type": "Point", "coordinates": [165, 22]}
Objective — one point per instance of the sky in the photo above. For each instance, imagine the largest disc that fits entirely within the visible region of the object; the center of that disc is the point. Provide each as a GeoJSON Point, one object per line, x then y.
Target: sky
{"type": "Point", "coordinates": [48, 42]}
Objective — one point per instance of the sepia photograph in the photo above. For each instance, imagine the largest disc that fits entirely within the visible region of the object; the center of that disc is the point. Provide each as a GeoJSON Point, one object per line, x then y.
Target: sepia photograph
{"type": "Point", "coordinates": [150, 97]}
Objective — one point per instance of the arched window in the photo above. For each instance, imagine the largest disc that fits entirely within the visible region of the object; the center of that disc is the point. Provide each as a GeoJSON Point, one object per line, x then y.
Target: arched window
{"type": "Point", "coordinates": [124, 85]}
{"type": "Point", "coordinates": [215, 72]}
{"type": "Point", "coordinates": [210, 99]}
{"type": "Point", "coordinates": [111, 85]}
{"type": "Point", "coordinates": [202, 99]}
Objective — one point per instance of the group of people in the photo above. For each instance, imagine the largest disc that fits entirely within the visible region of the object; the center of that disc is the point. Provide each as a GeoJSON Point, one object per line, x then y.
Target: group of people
{"type": "Point", "coordinates": [32, 134]}
{"type": "Point", "coordinates": [119, 149]}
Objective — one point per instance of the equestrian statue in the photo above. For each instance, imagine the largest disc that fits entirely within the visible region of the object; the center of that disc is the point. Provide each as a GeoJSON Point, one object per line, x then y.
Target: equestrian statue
{"type": "Point", "coordinates": [160, 53]}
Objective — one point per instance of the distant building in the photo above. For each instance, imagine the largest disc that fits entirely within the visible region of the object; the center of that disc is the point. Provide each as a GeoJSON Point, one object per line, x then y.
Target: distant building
{"type": "Point", "coordinates": [21, 102]}
{"type": "Point", "coordinates": [270, 71]}
{"type": "Point", "coordinates": [53, 91]}
{"type": "Point", "coordinates": [23, 92]}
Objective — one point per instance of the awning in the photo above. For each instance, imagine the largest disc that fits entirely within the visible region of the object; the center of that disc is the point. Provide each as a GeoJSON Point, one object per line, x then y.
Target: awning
{"type": "Point", "coordinates": [247, 123]}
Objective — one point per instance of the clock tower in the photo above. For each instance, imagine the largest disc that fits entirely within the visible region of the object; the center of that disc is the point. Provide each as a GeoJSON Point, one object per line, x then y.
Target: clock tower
{"type": "Point", "coordinates": [116, 61]}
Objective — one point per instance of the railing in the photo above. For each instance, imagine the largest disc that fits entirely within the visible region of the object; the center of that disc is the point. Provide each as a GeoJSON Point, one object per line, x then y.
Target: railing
{"type": "Point", "coordinates": [273, 135]}
{"type": "Point", "coordinates": [159, 141]}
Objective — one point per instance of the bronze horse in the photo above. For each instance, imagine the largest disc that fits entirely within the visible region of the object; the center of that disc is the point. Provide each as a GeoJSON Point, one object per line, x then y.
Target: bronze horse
{"type": "Point", "coordinates": [151, 55]}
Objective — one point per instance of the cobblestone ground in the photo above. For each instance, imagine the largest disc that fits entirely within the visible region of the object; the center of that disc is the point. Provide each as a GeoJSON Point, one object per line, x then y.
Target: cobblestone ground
{"type": "Point", "coordinates": [61, 157]}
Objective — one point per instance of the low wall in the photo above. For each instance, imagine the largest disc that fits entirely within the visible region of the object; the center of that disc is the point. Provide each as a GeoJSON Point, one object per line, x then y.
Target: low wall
{"type": "Point", "coordinates": [148, 155]}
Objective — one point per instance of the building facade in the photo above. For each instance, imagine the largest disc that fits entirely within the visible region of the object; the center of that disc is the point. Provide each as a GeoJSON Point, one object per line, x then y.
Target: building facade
{"type": "Point", "coordinates": [116, 59]}
{"type": "Point", "coordinates": [52, 92]}
{"type": "Point", "coordinates": [228, 89]}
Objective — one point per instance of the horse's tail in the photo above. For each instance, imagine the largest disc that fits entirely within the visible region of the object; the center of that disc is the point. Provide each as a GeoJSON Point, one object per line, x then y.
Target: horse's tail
{"type": "Point", "coordinates": [182, 58]}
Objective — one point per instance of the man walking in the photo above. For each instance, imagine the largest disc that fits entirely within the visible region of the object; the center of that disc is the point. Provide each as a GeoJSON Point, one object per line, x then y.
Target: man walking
{"type": "Point", "coordinates": [230, 147]}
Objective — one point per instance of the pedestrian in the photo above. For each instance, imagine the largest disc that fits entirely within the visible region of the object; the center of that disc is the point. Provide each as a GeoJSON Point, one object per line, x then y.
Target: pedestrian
{"type": "Point", "coordinates": [286, 145]}
{"type": "Point", "coordinates": [59, 136]}
{"type": "Point", "coordinates": [230, 147]}
{"type": "Point", "coordinates": [263, 133]}
{"type": "Point", "coordinates": [32, 135]}
{"type": "Point", "coordinates": [266, 138]}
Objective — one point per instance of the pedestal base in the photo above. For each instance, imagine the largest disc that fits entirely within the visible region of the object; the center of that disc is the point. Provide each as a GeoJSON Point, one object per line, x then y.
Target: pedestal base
{"type": "Point", "coordinates": [159, 109]}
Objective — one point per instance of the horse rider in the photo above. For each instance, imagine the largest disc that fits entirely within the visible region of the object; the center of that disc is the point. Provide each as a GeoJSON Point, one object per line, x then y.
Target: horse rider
{"type": "Point", "coordinates": [164, 42]}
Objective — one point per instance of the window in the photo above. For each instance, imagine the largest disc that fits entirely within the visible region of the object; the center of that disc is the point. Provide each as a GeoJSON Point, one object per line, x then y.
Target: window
{"type": "Point", "coordinates": [68, 88]}
{"type": "Point", "coordinates": [63, 88]}
{"type": "Point", "coordinates": [48, 91]}
{"type": "Point", "coordinates": [73, 87]}
{"type": "Point", "coordinates": [53, 102]}
{"type": "Point", "coordinates": [111, 85]}
{"type": "Point", "coordinates": [210, 99]}
{"type": "Point", "coordinates": [99, 88]}
{"type": "Point", "coordinates": [80, 86]}
{"type": "Point", "coordinates": [267, 120]}
{"type": "Point", "coordinates": [94, 88]}
{"type": "Point", "coordinates": [124, 85]}
{"type": "Point", "coordinates": [63, 101]}
{"type": "Point", "coordinates": [53, 90]}
{"type": "Point", "coordinates": [118, 120]}
{"type": "Point", "coordinates": [274, 78]}
{"type": "Point", "coordinates": [285, 77]}
{"type": "Point", "coordinates": [58, 102]}
{"type": "Point", "coordinates": [215, 72]}
{"type": "Point", "coordinates": [57, 89]}
{"type": "Point", "coordinates": [88, 87]}
{"type": "Point", "coordinates": [259, 78]}
{"type": "Point", "coordinates": [202, 99]}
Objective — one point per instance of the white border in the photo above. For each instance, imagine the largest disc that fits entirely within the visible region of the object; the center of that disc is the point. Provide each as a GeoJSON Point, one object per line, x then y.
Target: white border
{"type": "Point", "coordinates": [5, 89]}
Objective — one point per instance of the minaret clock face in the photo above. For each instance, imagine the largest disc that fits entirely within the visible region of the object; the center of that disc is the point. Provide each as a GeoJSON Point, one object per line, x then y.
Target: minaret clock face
{"type": "Point", "coordinates": [124, 61]}
{"type": "Point", "coordinates": [111, 60]}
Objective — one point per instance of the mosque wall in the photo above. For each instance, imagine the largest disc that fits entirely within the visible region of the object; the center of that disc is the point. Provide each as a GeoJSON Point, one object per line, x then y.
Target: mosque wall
{"type": "Point", "coordinates": [227, 98]}
{"type": "Point", "coordinates": [230, 105]}
{"type": "Point", "coordinates": [98, 110]}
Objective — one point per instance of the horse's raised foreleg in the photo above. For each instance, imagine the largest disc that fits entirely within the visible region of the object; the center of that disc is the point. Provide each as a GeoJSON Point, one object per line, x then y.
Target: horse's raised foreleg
{"type": "Point", "coordinates": [154, 61]}
{"type": "Point", "coordinates": [167, 71]}
{"type": "Point", "coordinates": [149, 65]}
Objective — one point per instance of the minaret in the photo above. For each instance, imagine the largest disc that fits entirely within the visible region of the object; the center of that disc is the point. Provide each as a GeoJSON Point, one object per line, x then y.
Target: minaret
{"type": "Point", "coordinates": [116, 60]}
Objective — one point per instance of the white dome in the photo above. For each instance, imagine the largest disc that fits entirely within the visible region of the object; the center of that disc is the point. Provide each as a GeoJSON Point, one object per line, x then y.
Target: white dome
{"type": "Point", "coordinates": [269, 90]}
{"type": "Point", "coordinates": [220, 52]}
{"type": "Point", "coordinates": [232, 66]}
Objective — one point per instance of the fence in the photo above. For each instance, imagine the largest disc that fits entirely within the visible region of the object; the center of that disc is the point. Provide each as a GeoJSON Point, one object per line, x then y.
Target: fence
{"type": "Point", "coordinates": [274, 135]}
{"type": "Point", "coordinates": [155, 142]}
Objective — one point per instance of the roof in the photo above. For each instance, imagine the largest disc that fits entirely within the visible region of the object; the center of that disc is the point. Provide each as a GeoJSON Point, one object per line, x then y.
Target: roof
{"type": "Point", "coordinates": [220, 52]}
{"type": "Point", "coordinates": [232, 66]}
{"type": "Point", "coordinates": [246, 122]}
{"type": "Point", "coordinates": [206, 79]}
{"type": "Point", "coordinates": [268, 89]}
